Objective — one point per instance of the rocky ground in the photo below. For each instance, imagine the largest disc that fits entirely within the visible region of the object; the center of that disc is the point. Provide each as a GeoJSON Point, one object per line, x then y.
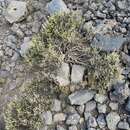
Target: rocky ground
{"type": "Point", "coordinates": [110, 21]}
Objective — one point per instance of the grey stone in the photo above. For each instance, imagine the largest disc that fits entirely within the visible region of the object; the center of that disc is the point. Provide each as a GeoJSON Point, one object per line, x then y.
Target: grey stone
{"type": "Point", "coordinates": [80, 109]}
{"type": "Point", "coordinates": [101, 121]}
{"type": "Point", "coordinates": [56, 105]}
{"type": "Point", "coordinates": [73, 127]}
{"type": "Point", "coordinates": [70, 110]}
{"type": "Point", "coordinates": [58, 127]}
{"type": "Point", "coordinates": [47, 117]}
{"type": "Point", "coordinates": [90, 106]}
{"type": "Point", "coordinates": [102, 108]}
{"type": "Point", "coordinates": [63, 75]}
{"type": "Point", "coordinates": [127, 20]}
{"type": "Point", "coordinates": [43, 128]}
{"type": "Point", "coordinates": [103, 27]}
{"type": "Point", "coordinates": [125, 58]}
{"type": "Point", "coordinates": [100, 15]}
{"type": "Point", "coordinates": [56, 6]}
{"type": "Point", "coordinates": [108, 43]}
{"type": "Point", "coordinates": [87, 115]}
{"type": "Point", "coordinates": [16, 30]}
{"type": "Point", "coordinates": [59, 117]}
{"type": "Point", "coordinates": [121, 4]}
{"type": "Point", "coordinates": [112, 120]}
{"type": "Point", "coordinates": [123, 125]}
{"type": "Point", "coordinates": [81, 97]}
{"type": "Point", "coordinates": [2, 122]}
{"type": "Point", "coordinates": [36, 27]}
{"type": "Point", "coordinates": [27, 43]}
{"type": "Point", "coordinates": [16, 11]}
{"type": "Point", "coordinates": [100, 98]}
{"type": "Point", "coordinates": [121, 91]}
{"type": "Point", "coordinates": [91, 122]}
{"type": "Point", "coordinates": [77, 73]}
{"type": "Point", "coordinates": [113, 106]}
{"type": "Point", "coordinates": [91, 129]}
{"type": "Point", "coordinates": [127, 107]}
{"type": "Point", "coordinates": [73, 119]}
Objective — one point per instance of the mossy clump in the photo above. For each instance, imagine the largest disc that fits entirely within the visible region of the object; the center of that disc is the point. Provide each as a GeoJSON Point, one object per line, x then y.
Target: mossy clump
{"type": "Point", "coordinates": [102, 70]}
{"type": "Point", "coordinates": [24, 113]}
{"type": "Point", "coordinates": [57, 35]}
{"type": "Point", "coordinates": [60, 40]}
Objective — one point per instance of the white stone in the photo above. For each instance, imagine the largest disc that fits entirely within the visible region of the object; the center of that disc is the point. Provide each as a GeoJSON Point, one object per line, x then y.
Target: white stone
{"type": "Point", "coordinates": [113, 106]}
{"type": "Point", "coordinates": [112, 120]}
{"type": "Point", "coordinates": [100, 98]}
{"type": "Point", "coordinates": [56, 105]}
{"type": "Point", "coordinates": [77, 73]}
{"type": "Point", "coordinates": [59, 117]}
{"type": "Point", "coordinates": [56, 6]}
{"type": "Point", "coordinates": [25, 46]}
{"type": "Point", "coordinates": [73, 119]}
{"type": "Point", "coordinates": [47, 117]}
{"type": "Point", "coordinates": [63, 75]}
{"type": "Point", "coordinates": [102, 108]}
{"type": "Point", "coordinates": [16, 11]}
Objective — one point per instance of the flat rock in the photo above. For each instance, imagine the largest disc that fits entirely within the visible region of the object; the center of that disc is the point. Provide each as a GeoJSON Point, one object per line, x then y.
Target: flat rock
{"type": "Point", "coordinates": [108, 43]}
{"type": "Point", "coordinates": [77, 73]}
{"type": "Point", "coordinates": [16, 11]}
{"type": "Point", "coordinates": [56, 6]}
{"type": "Point", "coordinates": [81, 97]}
{"type": "Point", "coordinates": [112, 120]}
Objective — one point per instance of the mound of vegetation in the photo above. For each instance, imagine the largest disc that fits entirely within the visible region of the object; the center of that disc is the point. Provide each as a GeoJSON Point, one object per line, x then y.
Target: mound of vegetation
{"type": "Point", "coordinates": [24, 113]}
{"type": "Point", "coordinates": [60, 40]}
